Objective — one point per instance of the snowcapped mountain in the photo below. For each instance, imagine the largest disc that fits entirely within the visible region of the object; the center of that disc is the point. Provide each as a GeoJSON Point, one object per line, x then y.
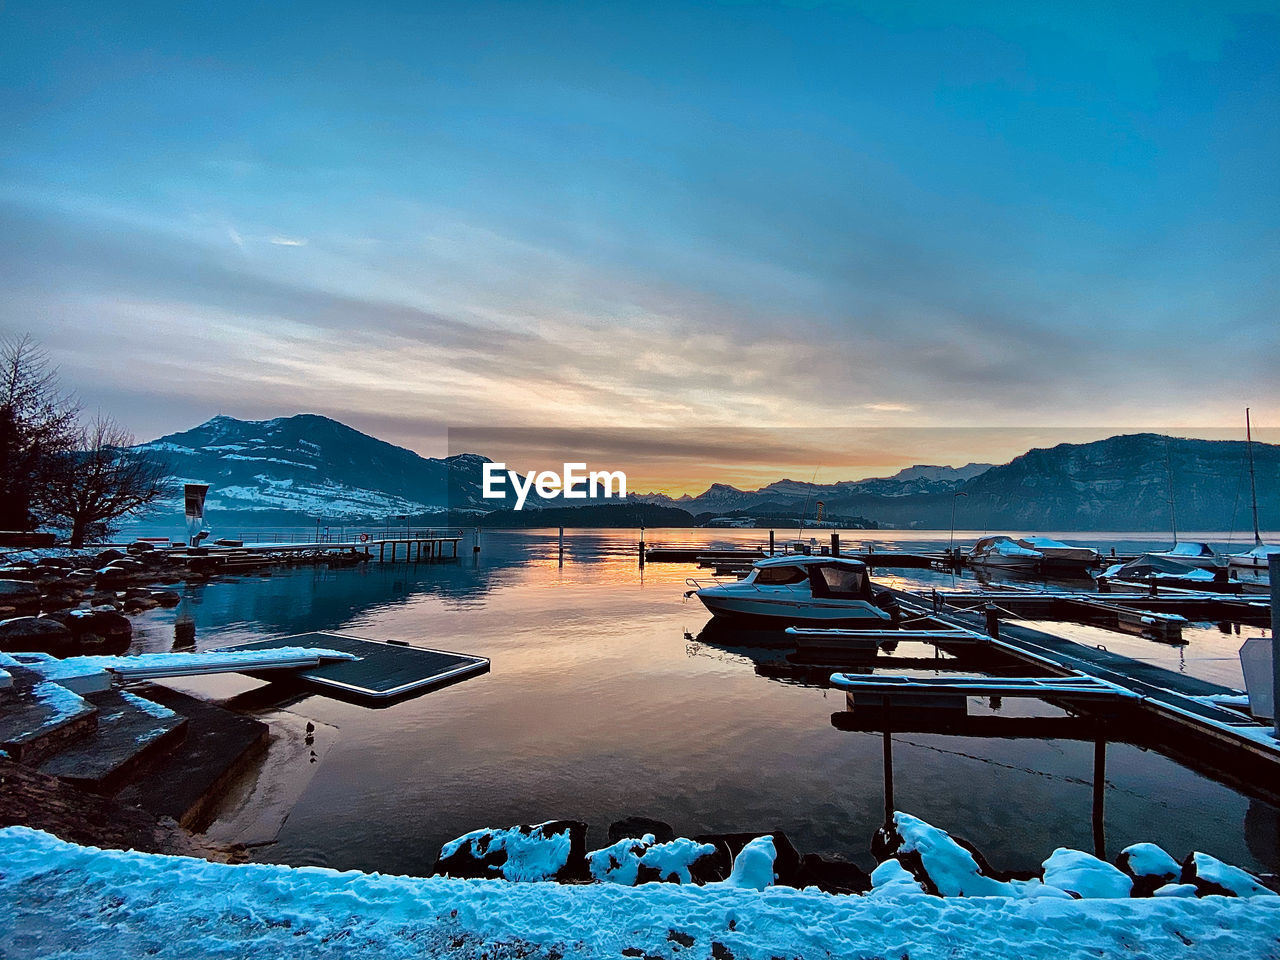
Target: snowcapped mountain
{"type": "Point", "coordinates": [309, 466]}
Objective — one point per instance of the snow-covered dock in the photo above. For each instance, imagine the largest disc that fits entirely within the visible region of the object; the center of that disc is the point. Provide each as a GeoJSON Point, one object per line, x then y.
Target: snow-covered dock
{"type": "Point", "coordinates": [62, 899]}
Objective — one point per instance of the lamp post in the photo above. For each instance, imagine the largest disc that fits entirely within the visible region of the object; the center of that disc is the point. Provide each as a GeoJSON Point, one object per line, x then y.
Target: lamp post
{"type": "Point", "coordinates": [955, 498]}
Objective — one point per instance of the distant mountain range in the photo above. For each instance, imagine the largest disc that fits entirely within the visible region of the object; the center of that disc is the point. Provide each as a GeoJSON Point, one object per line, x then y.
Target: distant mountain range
{"type": "Point", "coordinates": [292, 470]}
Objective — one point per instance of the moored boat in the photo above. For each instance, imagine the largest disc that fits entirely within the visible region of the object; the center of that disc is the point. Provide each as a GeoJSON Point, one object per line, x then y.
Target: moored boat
{"type": "Point", "coordinates": [788, 590]}
{"type": "Point", "coordinates": [1061, 557]}
{"type": "Point", "coordinates": [1004, 552]}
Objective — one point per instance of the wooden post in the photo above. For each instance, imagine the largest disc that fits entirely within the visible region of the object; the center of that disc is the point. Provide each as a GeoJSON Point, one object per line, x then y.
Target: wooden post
{"type": "Point", "coordinates": [476, 547]}
{"type": "Point", "coordinates": [771, 543]}
{"type": "Point", "coordinates": [642, 546]}
{"type": "Point", "coordinates": [1099, 791]}
{"type": "Point", "coordinates": [993, 621]}
{"type": "Point", "coordinates": [835, 544]}
{"type": "Point", "coordinates": [382, 551]}
{"type": "Point", "coordinates": [562, 546]}
{"type": "Point", "coordinates": [888, 763]}
{"type": "Point", "coordinates": [1273, 571]}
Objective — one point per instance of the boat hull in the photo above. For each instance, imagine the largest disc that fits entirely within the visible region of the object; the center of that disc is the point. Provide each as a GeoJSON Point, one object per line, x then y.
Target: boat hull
{"type": "Point", "coordinates": [784, 612]}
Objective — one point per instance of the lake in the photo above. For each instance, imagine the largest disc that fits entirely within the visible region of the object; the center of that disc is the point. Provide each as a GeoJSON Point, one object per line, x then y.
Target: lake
{"type": "Point", "coordinates": [602, 704]}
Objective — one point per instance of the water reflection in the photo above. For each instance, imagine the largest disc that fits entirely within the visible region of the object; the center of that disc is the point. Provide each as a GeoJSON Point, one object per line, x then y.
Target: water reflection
{"type": "Point", "coordinates": [608, 697]}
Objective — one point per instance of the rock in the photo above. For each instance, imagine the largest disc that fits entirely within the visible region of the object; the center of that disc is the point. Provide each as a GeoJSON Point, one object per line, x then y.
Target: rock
{"type": "Point", "coordinates": [104, 630]}
{"type": "Point", "coordinates": [632, 827]}
{"type": "Point", "coordinates": [59, 563]}
{"type": "Point", "coordinates": [22, 596]}
{"type": "Point", "coordinates": [166, 598]}
{"type": "Point", "coordinates": [728, 845]}
{"type": "Point", "coordinates": [1211, 877]}
{"type": "Point", "coordinates": [17, 573]}
{"type": "Point", "coordinates": [35, 634]}
{"type": "Point", "coordinates": [1084, 875]}
{"type": "Point", "coordinates": [891, 880]}
{"type": "Point", "coordinates": [1150, 867]}
{"type": "Point", "coordinates": [108, 556]}
{"type": "Point", "coordinates": [673, 862]}
{"type": "Point", "coordinates": [555, 850]}
{"type": "Point", "coordinates": [940, 864]}
{"type": "Point", "coordinates": [138, 604]}
{"type": "Point", "coordinates": [832, 875]}
{"type": "Point", "coordinates": [753, 867]}
{"type": "Point", "coordinates": [141, 546]}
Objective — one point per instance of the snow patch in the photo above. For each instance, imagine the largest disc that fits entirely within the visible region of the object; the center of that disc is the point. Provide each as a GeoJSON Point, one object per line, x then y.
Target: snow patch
{"type": "Point", "coordinates": [1085, 875]}
{"type": "Point", "coordinates": [753, 866]}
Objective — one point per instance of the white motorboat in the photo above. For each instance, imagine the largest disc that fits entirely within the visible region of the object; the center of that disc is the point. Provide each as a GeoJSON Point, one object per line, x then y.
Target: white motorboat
{"type": "Point", "coordinates": [1004, 552]}
{"type": "Point", "coordinates": [790, 590]}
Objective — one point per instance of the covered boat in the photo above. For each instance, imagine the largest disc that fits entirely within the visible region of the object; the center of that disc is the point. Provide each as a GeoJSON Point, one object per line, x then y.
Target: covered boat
{"type": "Point", "coordinates": [1192, 553]}
{"type": "Point", "coordinates": [1004, 552]}
{"type": "Point", "coordinates": [1256, 559]}
{"type": "Point", "coordinates": [1156, 567]}
{"type": "Point", "coordinates": [1061, 556]}
{"type": "Point", "coordinates": [788, 590]}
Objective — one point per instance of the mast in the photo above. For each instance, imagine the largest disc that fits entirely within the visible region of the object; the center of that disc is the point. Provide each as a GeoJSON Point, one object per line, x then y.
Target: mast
{"type": "Point", "coordinates": [1253, 483]}
{"type": "Point", "coordinates": [1173, 508]}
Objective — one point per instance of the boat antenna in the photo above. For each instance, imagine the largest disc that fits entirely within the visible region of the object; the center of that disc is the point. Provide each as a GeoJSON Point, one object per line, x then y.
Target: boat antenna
{"type": "Point", "coordinates": [1173, 507]}
{"type": "Point", "coordinates": [804, 513]}
{"type": "Point", "coordinates": [1253, 484]}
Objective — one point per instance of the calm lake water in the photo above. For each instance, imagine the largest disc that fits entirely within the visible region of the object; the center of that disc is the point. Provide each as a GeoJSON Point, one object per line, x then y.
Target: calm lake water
{"type": "Point", "coordinates": [600, 706]}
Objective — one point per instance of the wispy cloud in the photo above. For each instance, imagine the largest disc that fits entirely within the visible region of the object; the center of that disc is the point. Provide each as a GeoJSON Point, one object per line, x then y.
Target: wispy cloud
{"type": "Point", "coordinates": [288, 241]}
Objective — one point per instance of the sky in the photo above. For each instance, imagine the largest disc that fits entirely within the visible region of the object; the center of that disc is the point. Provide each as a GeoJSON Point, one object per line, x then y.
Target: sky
{"type": "Point", "coordinates": [647, 216]}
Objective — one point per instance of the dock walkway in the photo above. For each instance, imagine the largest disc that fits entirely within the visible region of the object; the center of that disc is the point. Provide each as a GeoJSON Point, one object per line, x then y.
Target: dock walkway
{"type": "Point", "coordinates": [1171, 697]}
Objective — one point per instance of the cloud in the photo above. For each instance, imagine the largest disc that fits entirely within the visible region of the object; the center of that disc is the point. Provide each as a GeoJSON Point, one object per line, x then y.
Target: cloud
{"type": "Point", "coordinates": [288, 242]}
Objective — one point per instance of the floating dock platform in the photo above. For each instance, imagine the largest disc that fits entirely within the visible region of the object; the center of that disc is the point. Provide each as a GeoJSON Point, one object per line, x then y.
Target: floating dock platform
{"type": "Point", "coordinates": [387, 671]}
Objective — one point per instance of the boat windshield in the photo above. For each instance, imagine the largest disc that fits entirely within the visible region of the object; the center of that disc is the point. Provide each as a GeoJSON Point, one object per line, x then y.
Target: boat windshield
{"type": "Point", "coordinates": [837, 581]}
{"type": "Point", "coordinates": [780, 575]}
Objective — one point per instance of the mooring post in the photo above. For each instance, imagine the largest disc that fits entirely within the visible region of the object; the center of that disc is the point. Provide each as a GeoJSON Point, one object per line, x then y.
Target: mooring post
{"type": "Point", "coordinates": [562, 546]}
{"type": "Point", "coordinates": [642, 546]}
{"type": "Point", "coordinates": [1273, 571]}
{"type": "Point", "coordinates": [937, 601]}
{"type": "Point", "coordinates": [1099, 795]}
{"type": "Point", "coordinates": [771, 543]}
{"type": "Point", "coordinates": [475, 548]}
{"type": "Point", "coordinates": [835, 544]}
{"type": "Point", "coordinates": [888, 762]}
{"type": "Point", "coordinates": [993, 621]}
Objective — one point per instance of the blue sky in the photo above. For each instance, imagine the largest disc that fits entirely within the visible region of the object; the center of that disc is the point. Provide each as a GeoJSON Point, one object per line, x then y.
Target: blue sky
{"type": "Point", "coordinates": [411, 216]}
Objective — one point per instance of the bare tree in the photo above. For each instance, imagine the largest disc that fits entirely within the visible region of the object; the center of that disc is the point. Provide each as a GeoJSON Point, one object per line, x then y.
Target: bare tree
{"type": "Point", "coordinates": [37, 430]}
{"type": "Point", "coordinates": [103, 480]}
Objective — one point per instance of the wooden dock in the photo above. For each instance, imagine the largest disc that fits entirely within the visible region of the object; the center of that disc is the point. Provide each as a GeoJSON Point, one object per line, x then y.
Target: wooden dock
{"type": "Point", "coordinates": [1181, 703]}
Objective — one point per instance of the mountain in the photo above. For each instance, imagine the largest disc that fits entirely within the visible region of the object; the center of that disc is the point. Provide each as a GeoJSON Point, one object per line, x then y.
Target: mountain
{"type": "Point", "coordinates": [794, 494]}
{"type": "Point", "coordinates": [1121, 483]}
{"type": "Point", "coordinates": [299, 468]}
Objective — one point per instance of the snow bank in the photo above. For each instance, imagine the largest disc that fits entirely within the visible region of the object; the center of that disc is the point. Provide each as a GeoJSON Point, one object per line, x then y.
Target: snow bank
{"type": "Point", "coordinates": [61, 899]}
{"type": "Point", "coordinates": [1085, 875]}
{"type": "Point", "coordinates": [672, 860]}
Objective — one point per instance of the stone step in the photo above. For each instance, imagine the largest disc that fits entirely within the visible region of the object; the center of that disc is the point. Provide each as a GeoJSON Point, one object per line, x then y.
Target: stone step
{"type": "Point", "coordinates": [38, 718]}
{"type": "Point", "coordinates": [187, 783]}
{"type": "Point", "coordinates": [131, 731]}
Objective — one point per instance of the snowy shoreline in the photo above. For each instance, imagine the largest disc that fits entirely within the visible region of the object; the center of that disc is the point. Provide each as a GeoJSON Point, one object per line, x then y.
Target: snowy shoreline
{"type": "Point", "coordinates": [65, 899]}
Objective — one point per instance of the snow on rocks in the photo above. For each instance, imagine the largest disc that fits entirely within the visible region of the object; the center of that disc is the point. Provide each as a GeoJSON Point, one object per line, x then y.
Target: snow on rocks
{"type": "Point", "coordinates": [753, 866]}
{"type": "Point", "coordinates": [1210, 876]}
{"type": "Point", "coordinates": [1150, 867]}
{"type": "Point", "coordinates": [555, 850]}
{"type": "Point", "coordinates": [643, 860]}
{"type": "Point", "coordinates": [941, 864]}
{"type": "Point", "coordinates": [1085, 875]}
{"type": "Point", "coordinates": [1176, 890]}
{"type": "Point", "coordinates": [891, 880]}
{"type": "Point", "coordinates": [59, 897]}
